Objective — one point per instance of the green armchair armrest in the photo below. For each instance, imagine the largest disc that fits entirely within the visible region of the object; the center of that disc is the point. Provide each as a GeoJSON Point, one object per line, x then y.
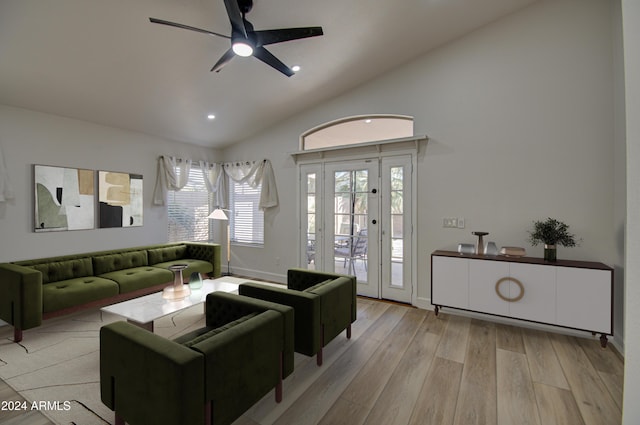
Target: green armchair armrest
{"type": "Point", "coordinates": [307, 313]}
{"type": "Point", "coordinates": [242, 364]}
{"type": "Point", "coordinates": [147, 379]}
{"type": "Point", "coordinates": [221, 307]}
{"type": "Point", "coordinates": [20, 297]}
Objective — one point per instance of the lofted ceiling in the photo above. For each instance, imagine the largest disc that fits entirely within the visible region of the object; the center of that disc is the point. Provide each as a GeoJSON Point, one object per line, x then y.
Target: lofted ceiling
{"type": "Point", "coordinates": [104, 62]}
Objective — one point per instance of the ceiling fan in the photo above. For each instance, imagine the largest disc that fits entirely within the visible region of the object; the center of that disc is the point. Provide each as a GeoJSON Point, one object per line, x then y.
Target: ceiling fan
{"type": "Point", "coordinates": [245, 41]}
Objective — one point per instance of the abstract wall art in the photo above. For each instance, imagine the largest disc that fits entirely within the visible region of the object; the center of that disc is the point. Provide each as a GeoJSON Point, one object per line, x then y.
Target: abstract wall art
{"type": "Point", "coordinates": [120, 199]}
{"type": "Point", "coordinates": [64, 198]}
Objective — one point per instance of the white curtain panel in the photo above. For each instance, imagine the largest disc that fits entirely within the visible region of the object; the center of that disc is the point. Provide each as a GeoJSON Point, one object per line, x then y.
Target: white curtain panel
{"type": "Point", "coordinates": [168, 179]}
{"type": "Point", "coordinates": [213, 176]}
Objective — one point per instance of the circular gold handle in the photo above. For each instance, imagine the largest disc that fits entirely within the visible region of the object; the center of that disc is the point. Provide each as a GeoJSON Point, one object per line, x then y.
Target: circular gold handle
{"type": "Point", "coordinates": [514, 280]}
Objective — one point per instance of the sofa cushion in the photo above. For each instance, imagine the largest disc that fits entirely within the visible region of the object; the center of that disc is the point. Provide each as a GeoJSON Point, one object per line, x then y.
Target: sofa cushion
{"type": "Point", "coordinates": [62, 270]}
{"type": "Point", "coordinates": [139, 277]}
{"type": "Point", "coordinates": [114, 262]}
{"type": "Point", "coordinates": [201, 334]}
{"type": "Point", "coordinates": [170, 253]}
{"type": "Point", "coordinates": [72, 292]}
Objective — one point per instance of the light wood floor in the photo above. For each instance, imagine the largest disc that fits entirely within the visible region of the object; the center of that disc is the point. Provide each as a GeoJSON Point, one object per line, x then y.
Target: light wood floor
{"type": "Point", "coordinates": [406, 366]}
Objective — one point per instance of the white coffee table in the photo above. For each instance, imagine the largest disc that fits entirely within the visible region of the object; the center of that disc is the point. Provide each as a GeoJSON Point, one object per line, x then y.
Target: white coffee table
{"type": "Point", "coordinates": [144, 310]}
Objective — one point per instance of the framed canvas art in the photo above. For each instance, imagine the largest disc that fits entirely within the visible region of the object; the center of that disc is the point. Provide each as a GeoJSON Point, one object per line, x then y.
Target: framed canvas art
{"type": "Point", "coordinates": [120, 199]}
{"type": "Point", "coordinates": [64, 198]}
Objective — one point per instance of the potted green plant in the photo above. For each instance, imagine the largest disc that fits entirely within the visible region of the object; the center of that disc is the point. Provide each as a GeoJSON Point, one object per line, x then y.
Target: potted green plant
{"type": "Point", "coordinates": [551, 233]}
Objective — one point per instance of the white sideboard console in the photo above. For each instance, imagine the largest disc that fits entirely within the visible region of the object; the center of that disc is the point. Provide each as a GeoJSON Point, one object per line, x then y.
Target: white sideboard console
{"type": "Point", "coordinates": [570, 294]}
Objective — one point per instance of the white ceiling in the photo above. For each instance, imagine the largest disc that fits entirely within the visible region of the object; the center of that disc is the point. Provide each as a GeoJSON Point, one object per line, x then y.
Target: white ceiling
{"type": "Point", "coordinates": [103, 61]}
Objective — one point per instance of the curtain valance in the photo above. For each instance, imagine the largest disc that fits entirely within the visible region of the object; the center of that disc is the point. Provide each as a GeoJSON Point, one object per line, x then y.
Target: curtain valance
{"type": "Point", "coordinates": [253, 173]}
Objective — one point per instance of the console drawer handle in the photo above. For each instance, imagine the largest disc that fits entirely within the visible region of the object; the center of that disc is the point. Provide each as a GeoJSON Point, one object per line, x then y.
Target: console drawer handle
{"type": "Point", "coordinates": [508, 299]}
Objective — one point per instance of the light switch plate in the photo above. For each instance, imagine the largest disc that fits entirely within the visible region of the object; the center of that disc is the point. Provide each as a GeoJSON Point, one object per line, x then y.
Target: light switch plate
{"type": "Point", "coordinates": [450, 222]}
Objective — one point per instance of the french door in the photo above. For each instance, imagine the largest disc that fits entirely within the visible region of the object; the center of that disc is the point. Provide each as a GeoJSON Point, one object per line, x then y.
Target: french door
{"type": "Point", "coordinates": [356, 219]}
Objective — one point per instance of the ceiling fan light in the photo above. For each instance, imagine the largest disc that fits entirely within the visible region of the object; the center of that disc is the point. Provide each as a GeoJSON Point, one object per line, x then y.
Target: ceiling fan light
{"type": "Point", "coordinates": [242, 48]}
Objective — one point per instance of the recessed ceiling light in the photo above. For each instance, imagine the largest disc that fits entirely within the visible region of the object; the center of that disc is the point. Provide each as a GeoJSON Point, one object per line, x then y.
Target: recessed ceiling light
{"type": "Point", "coordinates": [295, 68]}
{"type": "Point", "coordinates": [211, 117]}
{"type": "Point", "coordinates": [368, 121]}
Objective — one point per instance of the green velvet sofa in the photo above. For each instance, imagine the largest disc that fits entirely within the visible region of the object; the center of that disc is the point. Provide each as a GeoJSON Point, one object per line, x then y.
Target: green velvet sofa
{"type": "Point", "coordinates": [33, 290]}
{"type": "Point", "coordinates": [324, 304]}
{"type": "Point", "coordinates": [211, 375]}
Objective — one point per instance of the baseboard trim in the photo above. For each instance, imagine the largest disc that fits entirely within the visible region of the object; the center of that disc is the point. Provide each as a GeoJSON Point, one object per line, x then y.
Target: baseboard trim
{"type": "Point", "coordinates": [258, 274]}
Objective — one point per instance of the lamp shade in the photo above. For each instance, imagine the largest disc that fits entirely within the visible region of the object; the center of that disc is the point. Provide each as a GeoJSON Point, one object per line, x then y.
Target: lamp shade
{"type": "Point", "coordinates": [218, 214]}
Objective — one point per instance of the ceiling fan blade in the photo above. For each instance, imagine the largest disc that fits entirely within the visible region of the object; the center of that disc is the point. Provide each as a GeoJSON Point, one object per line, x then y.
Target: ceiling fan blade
{"type": "Point", "coordinates": [225, 59]}
{"type": "Point", "coordinates": [235, 16]}
{"type": "Point", "coordinates": [265, 56]}
{"type": "Point", "coordinates": [187, 27]}
{"type": "Point", "coordinates": [265, 37]}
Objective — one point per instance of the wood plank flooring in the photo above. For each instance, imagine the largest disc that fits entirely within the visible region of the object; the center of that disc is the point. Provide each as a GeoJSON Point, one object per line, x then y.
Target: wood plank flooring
{"type": "Point", "coordinates": [406, 366]}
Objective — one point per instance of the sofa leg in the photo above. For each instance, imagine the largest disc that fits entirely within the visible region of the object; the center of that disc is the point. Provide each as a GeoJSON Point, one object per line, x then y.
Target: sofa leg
{"type": "Point", "coordinates": [118, 419]}
{"type": "Point", "coordinates": [17, 334]}
{"type": "Point", "coordinates": [319, 355]}
{"type": "Point", "coordinates": [279, 384]}
{"type": "Point", "coordinates": [349, 331]}
{"type": "Point", "coordinates": [208, 414]}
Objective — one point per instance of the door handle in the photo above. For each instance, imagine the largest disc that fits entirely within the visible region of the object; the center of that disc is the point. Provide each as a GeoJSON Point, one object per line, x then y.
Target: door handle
{"type": "Point", "coordinates": [374, 190]}
{"type": "Point", "coordinates": [374, 221]}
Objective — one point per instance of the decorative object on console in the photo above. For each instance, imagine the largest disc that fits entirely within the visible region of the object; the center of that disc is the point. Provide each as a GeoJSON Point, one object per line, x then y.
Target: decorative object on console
{"type": "Point", "coordinates": [218, 214]}
{"type": "Point", "coordinates": [490, 249]}
{"type": "Point", "coordinates": [466, 248]}
{"type": "Point", "coordinates": [480, 245]}
{"type": "Point", "coordinates": [178, 291]}
{"type": "Point", "coordinates": [195, 281]}
{"type": "Point", "coordinates": [551, 232]}
{"type": "Point", "coordinates": [513, 251]}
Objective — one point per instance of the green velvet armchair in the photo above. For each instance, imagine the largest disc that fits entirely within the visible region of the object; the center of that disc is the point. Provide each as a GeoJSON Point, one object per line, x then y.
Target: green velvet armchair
{"type": "Point", "coordinates": [324, 304]}
{"type": "Point", "coordinates": [209, 376]}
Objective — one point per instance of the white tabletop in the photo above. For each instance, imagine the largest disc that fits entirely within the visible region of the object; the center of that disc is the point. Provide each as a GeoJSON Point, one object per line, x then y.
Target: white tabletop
{"type": "Point", "coordinates": [152, 307]}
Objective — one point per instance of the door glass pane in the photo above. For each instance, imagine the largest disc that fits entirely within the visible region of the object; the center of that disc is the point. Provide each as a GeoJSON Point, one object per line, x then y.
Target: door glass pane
{"type": "Point", "coordinates": [397, 223]}
{"type": "Point", "coordinates": [350, 221]}
{"type": "Point", "coordinates": [343, 181]}
{"type": "Point", "coordinates": [311, 221]}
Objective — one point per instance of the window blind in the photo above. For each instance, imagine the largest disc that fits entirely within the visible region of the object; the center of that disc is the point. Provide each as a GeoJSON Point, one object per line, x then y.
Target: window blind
{"type": "Point", "coordinates": [188, 208]}
{"type": "Point", "coordinates": [247, 221]}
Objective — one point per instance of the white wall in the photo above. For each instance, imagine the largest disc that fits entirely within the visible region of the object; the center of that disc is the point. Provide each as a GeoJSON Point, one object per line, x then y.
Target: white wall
{"type": "Point", "coordinates": [631, 27]}
{"type": "Point", "coordinates": [521, 119]}
{"type": "Point", "coordinates": [29, 138]}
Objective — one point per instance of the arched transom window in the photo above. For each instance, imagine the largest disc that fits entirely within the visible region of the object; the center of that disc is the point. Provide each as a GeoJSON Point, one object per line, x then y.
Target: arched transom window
{"type": "Point", "coordinates": [357, 129]}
